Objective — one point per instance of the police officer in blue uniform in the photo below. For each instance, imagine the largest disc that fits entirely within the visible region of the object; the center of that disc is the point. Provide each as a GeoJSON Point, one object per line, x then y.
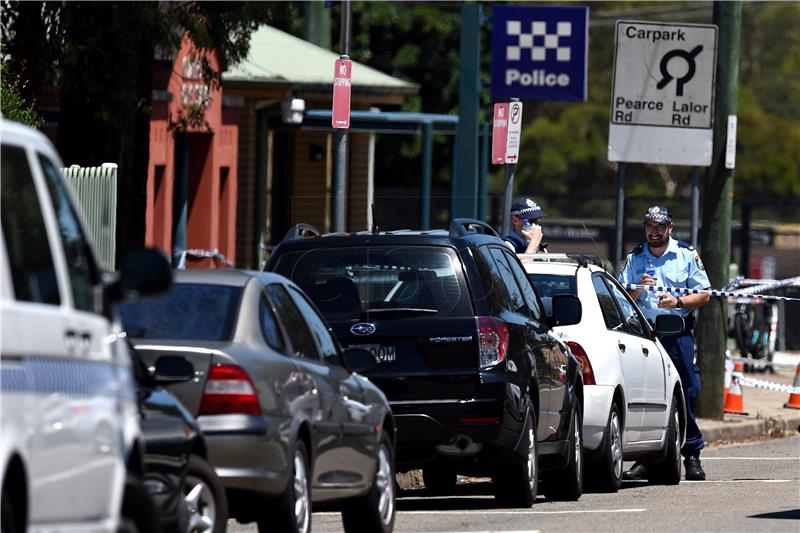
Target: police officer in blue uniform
{"type": "Point", "coordinates": [665, 262]}
{"type": "Point", "coordinates": [526, 233]}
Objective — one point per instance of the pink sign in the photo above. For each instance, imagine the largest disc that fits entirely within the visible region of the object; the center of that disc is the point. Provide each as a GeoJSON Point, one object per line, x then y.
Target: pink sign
{"type": "Point", "coordinates": [499, 132]}
{"type": "Point", "coordinates": [340, 117]}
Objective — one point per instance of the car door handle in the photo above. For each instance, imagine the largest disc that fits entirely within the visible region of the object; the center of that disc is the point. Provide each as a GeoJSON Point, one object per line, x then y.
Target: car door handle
{"type": "Point", "coordinates": [645, 351]}
{"type": "Point", "coordinates": [621, 347]}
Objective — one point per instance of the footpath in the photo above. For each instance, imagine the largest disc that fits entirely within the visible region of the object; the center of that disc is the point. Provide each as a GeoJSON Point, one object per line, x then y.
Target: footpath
{"type": "Point", "coordinates": [765, 415]}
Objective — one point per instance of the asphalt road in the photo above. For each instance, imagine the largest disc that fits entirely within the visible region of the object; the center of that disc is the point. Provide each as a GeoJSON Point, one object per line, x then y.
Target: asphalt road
{"type": "Point", "coordinates": [750, 487]}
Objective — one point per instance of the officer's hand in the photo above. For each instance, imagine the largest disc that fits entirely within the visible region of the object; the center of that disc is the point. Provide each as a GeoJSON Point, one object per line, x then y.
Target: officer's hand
{"type": "Point", "coordinates": [667, 301]}
{"type": "Point", "coordinates": [534, 233]}
{"type": "Point", "coordinates": [647, 279]}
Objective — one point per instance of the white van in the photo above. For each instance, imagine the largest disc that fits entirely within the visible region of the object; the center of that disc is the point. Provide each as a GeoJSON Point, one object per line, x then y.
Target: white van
{"type": "Point", "coordinates": [68, 418]}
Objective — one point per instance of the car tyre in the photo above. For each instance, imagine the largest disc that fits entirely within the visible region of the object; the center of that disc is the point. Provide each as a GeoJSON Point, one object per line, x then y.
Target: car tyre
{"type": "Point", "coordinates": [439, 481]}
{"type": "Point", "coordinates": [138, 509]}
{"type": "Point", "coordinates": [668, 471]}
{"type": "Point", "coordinates": [606, 473]}
{"type": "Point", "coordinates": [376, 510]}
{"type": "Point", "coordinates": [205, 499]}
{"type": "Point", "coordinates": [292, 511]}
{"type": "Point", "coordinates": [517, 485]}
{"type": "Point", "coordinates": [567, 484]}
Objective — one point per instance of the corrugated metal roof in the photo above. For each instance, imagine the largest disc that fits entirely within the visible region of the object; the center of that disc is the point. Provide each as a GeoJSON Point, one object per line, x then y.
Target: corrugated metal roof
{"type": "Point", "coordinates": [278, 57]}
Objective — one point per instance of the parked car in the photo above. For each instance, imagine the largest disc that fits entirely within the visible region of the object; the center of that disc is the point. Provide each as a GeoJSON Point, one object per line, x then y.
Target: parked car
{"type": "Point", "coordinates": [465, 353]}
{"type": "Point", "coordinates": [287, 422]}
{"type": "Point", "coordinates": [186, 493]}
{"type": "Point", "coordinates": [633, 398]}
{"type": "Point", "coordinates": [71, 436]}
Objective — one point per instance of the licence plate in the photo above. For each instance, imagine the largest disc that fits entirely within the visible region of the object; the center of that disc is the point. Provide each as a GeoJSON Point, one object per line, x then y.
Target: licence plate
{"type": "Point", "coordinates": [382, 354]}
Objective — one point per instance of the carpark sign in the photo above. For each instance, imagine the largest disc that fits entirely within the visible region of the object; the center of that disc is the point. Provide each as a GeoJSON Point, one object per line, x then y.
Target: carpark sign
{"type": "Point", "coordinates": [662, 103]}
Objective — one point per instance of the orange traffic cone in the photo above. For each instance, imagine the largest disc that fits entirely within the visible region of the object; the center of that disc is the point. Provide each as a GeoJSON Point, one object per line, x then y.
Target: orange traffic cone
{"type": "Point", "coordinates": [738, 366]}
{"type": "Point", "coordinates": [794, 398]}
{"type": "Point", "coordinates": [734, 401]}
{"type": "Point", "coordinates": [728, 378]}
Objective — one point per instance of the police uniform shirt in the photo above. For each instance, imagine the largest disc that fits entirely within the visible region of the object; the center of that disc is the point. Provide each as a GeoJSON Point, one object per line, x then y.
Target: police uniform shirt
{"type": "Point", "coordinates": [678, 266]}
{"type": "Point", "coordinates": [517, 242]}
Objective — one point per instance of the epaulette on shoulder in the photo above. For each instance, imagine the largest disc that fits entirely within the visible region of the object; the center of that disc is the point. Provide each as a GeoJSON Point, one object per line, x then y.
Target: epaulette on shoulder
{"type": "Point", "coordinates": [637, 250]}
{"type": "Point", "coordinates": [686, 245]}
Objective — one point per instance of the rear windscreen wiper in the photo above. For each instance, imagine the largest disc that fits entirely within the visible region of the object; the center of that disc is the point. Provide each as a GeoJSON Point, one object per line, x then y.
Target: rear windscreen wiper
{"type": "Point", "coordinates": [409, 310]}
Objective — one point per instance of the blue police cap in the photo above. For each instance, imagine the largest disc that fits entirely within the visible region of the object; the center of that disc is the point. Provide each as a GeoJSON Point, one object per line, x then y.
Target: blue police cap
{"type": "Point", "coordinates": [527, 208]}
{"type": "Point", "coordinates": [658, 213]}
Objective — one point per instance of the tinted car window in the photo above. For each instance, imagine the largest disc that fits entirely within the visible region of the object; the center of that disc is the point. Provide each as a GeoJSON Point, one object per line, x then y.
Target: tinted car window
{"type": "Point", "coordinates": [632, 321]}
{"type": "Point", "coordinates": [609, 309]}
{"type": "Point", "coordinates": [294, 325]}
{"type": "Point", "coordinates": [347, 282]}
{"type": "Point", "coordinates": [32, 270]}
{"type": "Point", "coordinates": [504, 270]}
{"type": "Point", "coordinates": [320, 330]}
{"type": "Point", "coordinates": [496, 290]}
{"type": "Point", "coordinates": [269, 325]}
{"type": "Point", "coordinates": [196, 311]}
{"type": "Point", "coordinates": [549, 285]}
{"type": "Point", "coordinates": [82, 269]}
{"type": "Point", "coordinates": [525, 285]}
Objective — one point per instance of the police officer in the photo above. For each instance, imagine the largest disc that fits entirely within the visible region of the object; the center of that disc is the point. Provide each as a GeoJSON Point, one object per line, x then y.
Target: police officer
{"type": "Point", "coordinates": [526, 233]}
{"type": "Point", "coordinates": [665, 262]}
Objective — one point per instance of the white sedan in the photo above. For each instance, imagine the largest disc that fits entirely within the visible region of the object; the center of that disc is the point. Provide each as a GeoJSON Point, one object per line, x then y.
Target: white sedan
{"type": "Point", "coordinates": [633, 399]}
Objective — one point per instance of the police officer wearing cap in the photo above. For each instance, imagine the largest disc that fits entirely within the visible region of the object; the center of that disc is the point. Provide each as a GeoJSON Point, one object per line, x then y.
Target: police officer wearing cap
{"type": "Point", "coordinates": [526, 233]}
{"type": "Point", "coordinates": [665, 262]}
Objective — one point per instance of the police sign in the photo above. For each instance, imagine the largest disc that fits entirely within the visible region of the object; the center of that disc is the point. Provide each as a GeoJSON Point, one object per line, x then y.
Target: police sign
{"type": "Point", "coordinates": [539, 53]}
{"type": "Point", "coordinates": [664, 81]}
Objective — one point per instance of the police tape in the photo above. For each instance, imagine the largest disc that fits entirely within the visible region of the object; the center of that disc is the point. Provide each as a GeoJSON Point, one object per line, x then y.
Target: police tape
{"type": "Point", "coordinates": [767, 284]}
{"type": "Point", "coordinates": [710, 292]}
{"type": "Point", "coordinates": [762, 384]}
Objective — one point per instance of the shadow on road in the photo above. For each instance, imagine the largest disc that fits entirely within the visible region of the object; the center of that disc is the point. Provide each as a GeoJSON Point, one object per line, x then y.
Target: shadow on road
{"type": "Point", "coordinates": [793, 514]}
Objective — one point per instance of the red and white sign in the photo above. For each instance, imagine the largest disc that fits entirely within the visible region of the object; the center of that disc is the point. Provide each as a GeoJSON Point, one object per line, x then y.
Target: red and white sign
{"type": "Point", "coordinates": [340, 117]}
{"type": "Point", "coordinates": [499, 132]}
{"type": "Point", "coordinates": [514, 131]}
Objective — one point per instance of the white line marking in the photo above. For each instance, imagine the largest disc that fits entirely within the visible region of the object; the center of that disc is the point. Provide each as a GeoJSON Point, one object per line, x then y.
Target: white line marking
{"type": "Point", "coordinates": [478, 511]}
{"type": "Point", "coordinates": [751, 459]}
{"type": "Point", "coordinates": [743, 481]}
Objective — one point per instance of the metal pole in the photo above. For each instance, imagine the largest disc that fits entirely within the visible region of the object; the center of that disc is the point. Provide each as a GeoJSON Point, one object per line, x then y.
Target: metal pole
{"type": "Point", "coordinates": [340, 140]}
{"type": "Point", "coordinates": [427, 158]}
{"type": "Point", "coordinates": [483, 172]}
{"type": "Point", "coordinates": [507, 193]}
{"type": "Point", "coordinates": [695, 204]}
{"type": "Point", "coordinates": [619, 242]}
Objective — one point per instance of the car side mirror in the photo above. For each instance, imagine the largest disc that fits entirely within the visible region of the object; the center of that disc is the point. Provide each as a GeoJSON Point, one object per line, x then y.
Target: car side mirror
{"type": "Point", "coordinates": [358, 360]}
{"type": "Point", "coordinates": [669, 324]}
{"type": "Point", "coordinates": [567, 310]}
{"type": "Point", "coordinates": [173, 369]}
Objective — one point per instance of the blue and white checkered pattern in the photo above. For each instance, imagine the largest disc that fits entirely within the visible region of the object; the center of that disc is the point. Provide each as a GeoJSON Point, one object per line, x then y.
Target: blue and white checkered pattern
{"type": "Point", "coordinates": [537, 41]}
{"type": "Point", "coordinates": [710, 292]}
{"type": "Point", "coordinates": [71, 377]}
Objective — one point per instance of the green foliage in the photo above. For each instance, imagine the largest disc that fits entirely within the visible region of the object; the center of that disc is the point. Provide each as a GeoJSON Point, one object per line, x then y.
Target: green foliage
{"type": "Point", "coordinates": [13, 106]}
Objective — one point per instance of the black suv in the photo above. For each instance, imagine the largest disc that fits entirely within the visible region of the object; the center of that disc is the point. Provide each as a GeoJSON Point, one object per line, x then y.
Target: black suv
{"type": "Point", "coordinates": [465, 353]}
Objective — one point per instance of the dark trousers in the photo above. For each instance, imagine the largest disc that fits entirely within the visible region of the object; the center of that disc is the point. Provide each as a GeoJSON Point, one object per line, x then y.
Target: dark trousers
{"type": "Point", "coordinates": [681, 350]}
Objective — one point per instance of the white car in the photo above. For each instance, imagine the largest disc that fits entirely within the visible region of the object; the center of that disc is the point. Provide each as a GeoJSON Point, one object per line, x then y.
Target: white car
{"type": "Point", "coordinates": [69, 423]}
{"type": "Point", "coordinates": [633, 398]}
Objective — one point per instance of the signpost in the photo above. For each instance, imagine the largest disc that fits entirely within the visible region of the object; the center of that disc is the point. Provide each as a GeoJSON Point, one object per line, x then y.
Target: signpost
{"type": "Point", "coordinates": [514, 131]}
{"type": "Point", "coordinates": [499, 133]}
{"type": "Point", "coordinates": [340, 115]}
{"type": "Point", "coordinates": [662, 100]}
{"type": "Point", "coordinates": [506, 131]}
{"type": "Point", "coordinates": [539, 53]}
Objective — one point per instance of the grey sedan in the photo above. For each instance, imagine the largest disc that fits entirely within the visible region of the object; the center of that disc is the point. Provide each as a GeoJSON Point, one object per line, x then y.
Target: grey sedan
{"type": "Point", "coordinates": [288, 422]}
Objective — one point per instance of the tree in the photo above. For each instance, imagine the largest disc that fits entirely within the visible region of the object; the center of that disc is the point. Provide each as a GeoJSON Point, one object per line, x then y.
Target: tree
{"type": "Point", "coordinates": [13, 105]}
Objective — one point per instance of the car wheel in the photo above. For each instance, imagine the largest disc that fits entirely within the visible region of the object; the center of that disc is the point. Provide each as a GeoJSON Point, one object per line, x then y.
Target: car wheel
{"type": "Point", "coordinates": [567, 484]}
{"type": "Point", "coordinates": [138, 510]}
{"type": "Point", "coordinates": [204, 499]}
{"type": "Point", "coordinates": [605, 474]}
{"type": "Point", "coordinates": [668, 471]}
{"type": "Point", "coordinates": [375, 511]}
{"type": "Point", "coordinates": [292, 511]}
{"type": "Point", "coordinates": [439, 481]}
{"type": "Point", "coordinates": [517, 485]}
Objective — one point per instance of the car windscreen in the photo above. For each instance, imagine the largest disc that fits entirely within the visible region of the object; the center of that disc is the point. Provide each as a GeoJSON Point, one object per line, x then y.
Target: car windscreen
{"type": "Point", "coordinates": [380, 281]}
{"type": "Point", "coordinates": [549, 285]}
{"type": "Point", "coordinates": [196, 311]}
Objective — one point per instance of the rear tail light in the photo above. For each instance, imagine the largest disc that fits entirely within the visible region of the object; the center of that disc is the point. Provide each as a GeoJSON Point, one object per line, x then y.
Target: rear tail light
{"type": "Point", "coordinates": [492, 340]}
{"type": "Point", "coordinates": [229, 390]}
{"type": "Point", "coordinates": [583, 360]}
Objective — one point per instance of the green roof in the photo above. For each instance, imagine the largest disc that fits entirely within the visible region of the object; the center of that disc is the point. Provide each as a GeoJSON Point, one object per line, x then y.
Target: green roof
{"type": "Point", "coordinates": [278, 57]}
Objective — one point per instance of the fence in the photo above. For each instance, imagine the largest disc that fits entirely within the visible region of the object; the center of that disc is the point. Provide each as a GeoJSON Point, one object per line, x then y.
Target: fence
{"type": "Point", "coordinates": [95, 189]}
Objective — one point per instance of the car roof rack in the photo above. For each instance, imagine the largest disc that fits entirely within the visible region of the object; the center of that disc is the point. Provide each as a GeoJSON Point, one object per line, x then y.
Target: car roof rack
{"type": "Point", "coordinates": [301, 231]}
{"type": "Point", "coordinates": [579, 259]}
{"type": "Point", "coordinates": [460, 227]}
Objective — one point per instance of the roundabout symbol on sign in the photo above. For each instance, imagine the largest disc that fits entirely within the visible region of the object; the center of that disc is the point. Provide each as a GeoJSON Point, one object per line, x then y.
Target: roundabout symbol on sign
{"type": "Point", "coordinates": [679, 82]}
